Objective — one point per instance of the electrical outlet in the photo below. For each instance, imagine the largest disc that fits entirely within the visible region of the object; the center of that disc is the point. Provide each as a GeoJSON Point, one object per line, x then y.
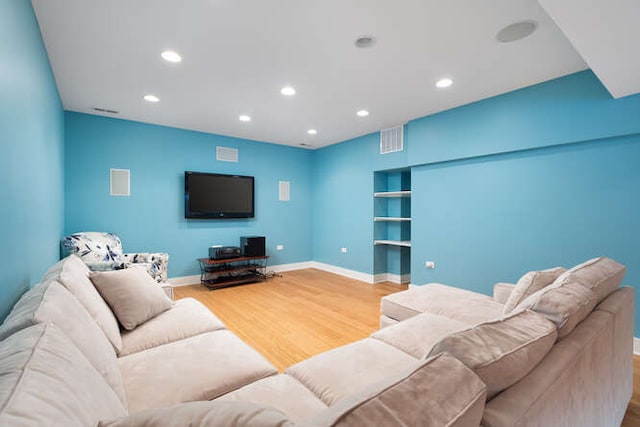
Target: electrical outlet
{"type": "Point", "coordinates": [279, 247]}
{"type": "Point", "coordinates": [343, 250]}
{"type": "Point", "coordinates": [430, 264]}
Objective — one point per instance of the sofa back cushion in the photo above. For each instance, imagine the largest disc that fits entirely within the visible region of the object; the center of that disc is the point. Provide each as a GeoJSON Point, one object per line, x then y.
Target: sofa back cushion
{"type": "Point", "coordinates": [601, 275]}
{"type": "Point", "coordinates": [439, 391]}
{"type": "Point", "coordinates": [564, 303]}
{"type": "Point", "coordinates": [530, 283]}
{"type": "Point", "coordinates": [73, 274]}
{"type": "Point", "coordinates": [45, 380]}
{"type": "Point", "coordinates": [502, 351]}
{"type": "Point", "coordinates": [51, 302]}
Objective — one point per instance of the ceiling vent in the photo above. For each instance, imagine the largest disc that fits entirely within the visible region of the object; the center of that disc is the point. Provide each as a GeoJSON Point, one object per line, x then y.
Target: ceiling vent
{"type": "Point", "coordinates": [392, 140]}
{"type": "Point", "coordinates": [104, 110]}
{"type": "Point", "coordinates": [226, 154]}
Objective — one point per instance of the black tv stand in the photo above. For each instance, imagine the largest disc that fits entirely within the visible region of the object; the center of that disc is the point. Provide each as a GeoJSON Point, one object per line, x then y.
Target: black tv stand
{"type": "Point", "coordinates": [220, 273]}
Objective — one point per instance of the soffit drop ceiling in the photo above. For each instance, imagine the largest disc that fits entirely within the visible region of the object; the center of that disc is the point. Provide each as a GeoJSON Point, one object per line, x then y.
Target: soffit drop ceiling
{"type": "Point", "coordinates": [238, 54]}
{"type": "Point", "coordinates": [607, 35]}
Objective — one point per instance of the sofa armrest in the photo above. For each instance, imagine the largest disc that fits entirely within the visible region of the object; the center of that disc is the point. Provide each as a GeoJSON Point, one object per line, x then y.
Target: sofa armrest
{"type": "Point", "coordinates": [502, 291]}
{"type": "Point", "coordinates": [157, 263]}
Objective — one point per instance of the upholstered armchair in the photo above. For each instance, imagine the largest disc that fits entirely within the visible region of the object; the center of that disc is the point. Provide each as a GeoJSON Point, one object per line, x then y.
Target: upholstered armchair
{"type": "Point", "coordinates": [103, 251]}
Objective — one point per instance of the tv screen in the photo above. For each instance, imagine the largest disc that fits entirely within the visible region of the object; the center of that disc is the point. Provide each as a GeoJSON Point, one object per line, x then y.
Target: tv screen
{"type": "Point", "coordinates": [213, 195]}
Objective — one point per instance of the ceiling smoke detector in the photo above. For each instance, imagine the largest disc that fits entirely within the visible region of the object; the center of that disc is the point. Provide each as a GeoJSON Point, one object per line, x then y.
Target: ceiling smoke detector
{"type": "Point", "coordinates": [517, 31]}
{"type": "Point", "coordinates": [365, 42]}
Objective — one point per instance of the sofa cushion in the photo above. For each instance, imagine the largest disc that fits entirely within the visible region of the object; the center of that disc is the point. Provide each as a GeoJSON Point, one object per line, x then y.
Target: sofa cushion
{"type": "Point", "coordinates": [201, 367]}
{"type": "Point", "coordinates": [564, 303]}
{"type": "Point", "coordinates": [436, 392]}
{"type": "Point", "coordinates": [350, 368]}
{"type": "Point", "coordinates": [45, 380]}
{"type": "Point", "coordinates": [417, 335]}
{"type": "Point", "coordinates": [74, 276]}
{"type": "Point", "coordinates": [282, 392]}
{"type": "Point", "coordinates": [186, 318]}
{"type": "Point", "coordinates": [502, 351]}
{"type": "Point", "coordinates": [205, 414]}
{"type": "Point", "coordinates": [601, 275]}
{"type": "Point", "coordinates": [454, 303]}
{"type": "Point", "coordinates": [132, 294]}
{"type": "Point", "coordinates": [530, 283]}
{"type": "Point", "coordinates": [52, 303]}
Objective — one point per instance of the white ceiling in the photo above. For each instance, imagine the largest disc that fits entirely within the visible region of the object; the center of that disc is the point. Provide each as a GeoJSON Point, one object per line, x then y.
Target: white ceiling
{"type": "Point", "coordinates": [237, 54]}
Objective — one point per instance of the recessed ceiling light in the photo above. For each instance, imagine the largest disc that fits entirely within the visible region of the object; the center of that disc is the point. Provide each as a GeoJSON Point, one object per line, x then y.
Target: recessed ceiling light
{"type": "Point", "coordinates": [151, 98]}
{"type": "Point", "coordinates": [244, 118]}
{"type": "Point", "coordinates": [363, 113]}
{"type": "Point", "coordinates": [442, 83]}
{"type": "Point", "coordinates": [171, 56]}
{"type": "Point", "coordinates": [288, 91]}
{"type": "Point", "coordinates": [364, 42]}
{"type": "Point", "coordinates": [312, 131]}
{"type": "Point", "coordinates": [517, 31]}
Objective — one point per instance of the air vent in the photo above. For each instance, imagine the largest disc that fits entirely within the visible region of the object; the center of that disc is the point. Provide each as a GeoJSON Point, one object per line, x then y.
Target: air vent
{"type": "Point", "coordinates": [392, 140]}
{"type": "Point", "coordinates": [105, 110]}
{"type": "Point", "coordinates": [226, 154]}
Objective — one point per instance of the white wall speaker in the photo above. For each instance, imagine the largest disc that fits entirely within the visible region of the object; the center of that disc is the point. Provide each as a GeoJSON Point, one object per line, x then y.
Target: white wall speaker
{"type": "Point", "coordinates": [284, 191]}
{"type": "Point", "coordinates": [120, 182]}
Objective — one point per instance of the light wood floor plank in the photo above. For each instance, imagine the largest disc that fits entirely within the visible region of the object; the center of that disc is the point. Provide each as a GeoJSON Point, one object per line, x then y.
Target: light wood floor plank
{"type": "Point", "coordinates": [306, 312]}
{"type": "Point", "coordinates": [298, 315]}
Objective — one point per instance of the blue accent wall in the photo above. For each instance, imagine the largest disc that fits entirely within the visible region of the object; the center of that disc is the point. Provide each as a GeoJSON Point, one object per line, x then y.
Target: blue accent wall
{"type": "Point", "coordinates": [152, 218]}
{"type": "Point", "coordinates": [543, 176]}
{"type": "Point", "coordinates": [31, 155]}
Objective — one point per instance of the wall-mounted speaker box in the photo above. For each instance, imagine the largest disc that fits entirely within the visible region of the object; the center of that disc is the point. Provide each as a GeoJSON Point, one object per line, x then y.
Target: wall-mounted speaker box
{"type": "Point", "coordinates": [253, 245]}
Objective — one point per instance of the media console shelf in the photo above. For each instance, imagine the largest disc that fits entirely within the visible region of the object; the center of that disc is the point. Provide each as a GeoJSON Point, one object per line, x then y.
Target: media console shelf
{"type": "Point", "coordinates": [220, 273]}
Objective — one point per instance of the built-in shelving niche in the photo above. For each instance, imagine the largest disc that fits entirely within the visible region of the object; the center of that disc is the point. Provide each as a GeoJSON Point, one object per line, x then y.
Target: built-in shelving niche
{"type": "Point", "coordinates": [392, 225]}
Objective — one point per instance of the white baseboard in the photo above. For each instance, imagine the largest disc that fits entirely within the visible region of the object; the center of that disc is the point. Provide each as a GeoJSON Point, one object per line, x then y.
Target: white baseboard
{"type": "Point", "coordinates": [184, 280]}
{"type": "Point", "coordinates": [636, 346]}
{"type": "Point", "coordinates": [289, 267]}
{"type": "Point", "coordinates": [352, 274]}
{"type": "Point", "coordinates": [393, 278]}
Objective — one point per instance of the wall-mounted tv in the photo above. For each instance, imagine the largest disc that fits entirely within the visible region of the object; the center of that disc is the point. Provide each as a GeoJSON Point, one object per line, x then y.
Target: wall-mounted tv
{"type": "Point", "coordinates": [214, 195]}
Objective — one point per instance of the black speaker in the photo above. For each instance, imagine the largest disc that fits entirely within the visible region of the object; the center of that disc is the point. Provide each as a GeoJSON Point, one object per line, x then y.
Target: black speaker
{"type": "Point", "coordinates": [253, 245]}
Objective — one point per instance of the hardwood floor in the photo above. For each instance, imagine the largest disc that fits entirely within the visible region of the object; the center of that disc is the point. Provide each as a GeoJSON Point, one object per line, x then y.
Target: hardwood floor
{"type": "Point", "coordinates": [298, 315]}
{"type": "Point", "coordinates": [306, 312]}
{"type": "Point", "coordinates": [632, 417]}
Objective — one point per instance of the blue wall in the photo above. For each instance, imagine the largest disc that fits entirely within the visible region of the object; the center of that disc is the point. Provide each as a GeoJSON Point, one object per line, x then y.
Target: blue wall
{"type": "Point", "coordinates": [31, 155]}
{"type": "Point", "coordinates": [152, 218]}
{"type": "Point", "coordinates": [538, 177]}
{"type": "Point", "coordinates": [534, 178]}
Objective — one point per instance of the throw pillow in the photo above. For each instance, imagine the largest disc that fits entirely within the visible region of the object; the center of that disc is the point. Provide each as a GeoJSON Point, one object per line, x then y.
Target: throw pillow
{"type": "Point", "coordinates": [132, 294]}
{"type": "Point", "coordinates": [529, 284]}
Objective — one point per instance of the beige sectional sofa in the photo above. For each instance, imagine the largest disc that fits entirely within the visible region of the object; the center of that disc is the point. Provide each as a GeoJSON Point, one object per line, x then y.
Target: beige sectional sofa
{"type": "Point", "coordinates": [447, 357]}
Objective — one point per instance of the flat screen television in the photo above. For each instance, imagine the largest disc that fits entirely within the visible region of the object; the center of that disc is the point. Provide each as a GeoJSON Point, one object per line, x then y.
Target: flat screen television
{"type": "Point", "coordinates": [218, 196]}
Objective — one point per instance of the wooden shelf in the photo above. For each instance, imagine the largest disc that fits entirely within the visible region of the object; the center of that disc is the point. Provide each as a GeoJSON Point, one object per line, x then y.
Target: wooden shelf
{"type": "Point", "coordinates": [403, 243]}
{"type": "Point", "coordinates": [392, 194]}
{"type": "Point", "coordinates": [390, 219]}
